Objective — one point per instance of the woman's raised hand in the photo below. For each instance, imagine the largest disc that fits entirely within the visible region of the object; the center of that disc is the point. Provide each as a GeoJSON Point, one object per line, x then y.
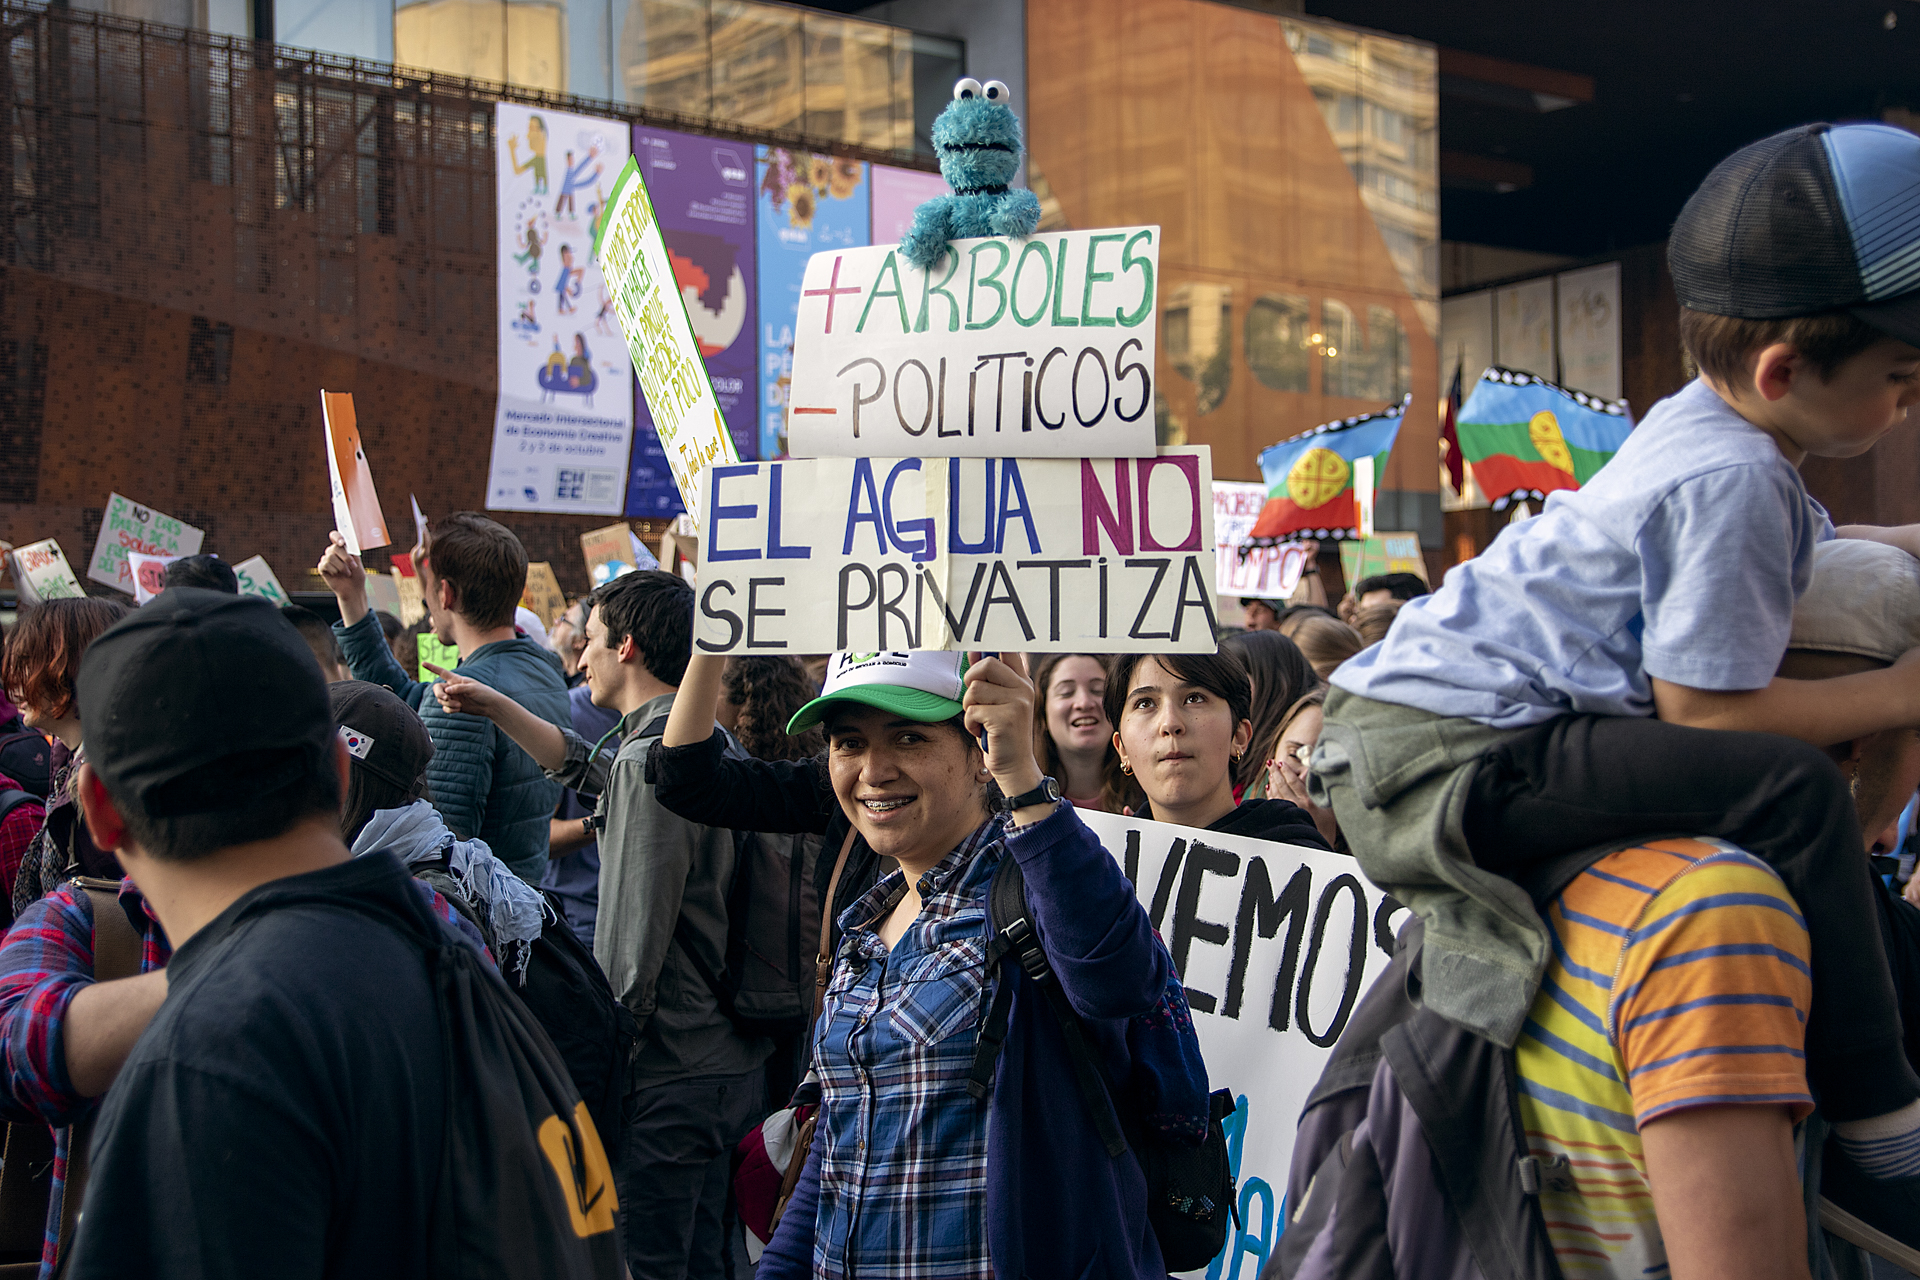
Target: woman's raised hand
{"type": "Point", "coordinates": [999, 707]}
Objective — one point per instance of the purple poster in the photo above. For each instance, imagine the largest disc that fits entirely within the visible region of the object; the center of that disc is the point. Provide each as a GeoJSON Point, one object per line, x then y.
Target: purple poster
{"type": "Point", "coordinates": [896, 194]}
{"type": "Point", "coordinates": [702, 192]}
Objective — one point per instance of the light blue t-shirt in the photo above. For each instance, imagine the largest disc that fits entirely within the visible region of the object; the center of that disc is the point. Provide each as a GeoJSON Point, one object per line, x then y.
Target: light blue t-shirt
{"type": "Point", "coordinates": [1682, 558]}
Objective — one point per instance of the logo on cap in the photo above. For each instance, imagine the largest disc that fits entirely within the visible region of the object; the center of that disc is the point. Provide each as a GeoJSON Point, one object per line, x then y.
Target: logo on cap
{"type": "Point", "coordinates": [358, 744]}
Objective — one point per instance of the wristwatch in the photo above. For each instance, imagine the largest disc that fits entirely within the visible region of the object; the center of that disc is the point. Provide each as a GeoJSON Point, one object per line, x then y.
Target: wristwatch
{"type": "Point", "coordinates": [1046, 793]}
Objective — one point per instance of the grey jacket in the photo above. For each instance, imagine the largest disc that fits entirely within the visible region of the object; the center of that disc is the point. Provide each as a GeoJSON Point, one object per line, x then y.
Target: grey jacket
{"type": "Point", "coordinates": [482, 783]}
{"type": "Point", "coordinates": [654, 869]}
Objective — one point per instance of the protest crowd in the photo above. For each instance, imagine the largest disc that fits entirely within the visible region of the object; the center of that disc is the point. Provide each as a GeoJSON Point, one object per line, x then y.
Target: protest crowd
{"type": "Point", "coordinates": [596, 949]}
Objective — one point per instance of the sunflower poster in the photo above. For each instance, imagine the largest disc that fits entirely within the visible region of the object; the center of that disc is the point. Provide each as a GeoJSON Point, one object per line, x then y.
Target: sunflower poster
{"type": "Point", "coordinates": [803, 203]}
{"type": "Point", "coordinates": [1525, 437]}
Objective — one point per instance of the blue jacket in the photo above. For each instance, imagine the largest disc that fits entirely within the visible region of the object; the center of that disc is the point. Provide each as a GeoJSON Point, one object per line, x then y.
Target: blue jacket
{"type": "Point", "coordinates": [484, 785]}
{"type": "Point", "coordinates": [1057, 1204]}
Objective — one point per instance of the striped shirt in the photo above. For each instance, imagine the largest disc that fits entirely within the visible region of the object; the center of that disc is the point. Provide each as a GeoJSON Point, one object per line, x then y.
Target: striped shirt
{"type": "Point", "coordinates": [903, 1168]}
{"type": "Point", "coordinates": [1679, 979]}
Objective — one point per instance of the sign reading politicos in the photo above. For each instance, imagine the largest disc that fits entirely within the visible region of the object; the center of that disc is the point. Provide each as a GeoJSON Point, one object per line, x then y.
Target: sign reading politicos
{"type": "Point", "coordinates": [1035, 348]}
{"type": "Point", "coordinates": [1275, 944]}
{"type": "Point", "coordinates": [1039, 554]}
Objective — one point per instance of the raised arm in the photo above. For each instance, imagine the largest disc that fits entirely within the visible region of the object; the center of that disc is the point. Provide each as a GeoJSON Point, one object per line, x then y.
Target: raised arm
{"type": "Point", "coordinates": [691, 719]}
{"type": "Point", "coordinates": [545, 741]}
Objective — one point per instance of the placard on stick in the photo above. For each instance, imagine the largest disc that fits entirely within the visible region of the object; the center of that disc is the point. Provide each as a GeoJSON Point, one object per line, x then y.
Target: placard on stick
{"type": "Point", "coordinates": [1053, 555]}
{"type": "Point", "coordinates": [356, 505]}
{"type": "Point", "coordinates": [1041, 347]}
{"type": "Point", "coordinates": [1382, 553]}
{"type": "Point", "coordinates": [127, 526]}
{"type": "Point", "coordinates": [666, 354]}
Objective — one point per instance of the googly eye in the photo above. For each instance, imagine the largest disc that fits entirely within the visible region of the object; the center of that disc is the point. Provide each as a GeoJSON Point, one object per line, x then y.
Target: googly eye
{"type": "Point", "coordinates": [995, 91]}
{"type": "Point", "coordinates": [966, 87]}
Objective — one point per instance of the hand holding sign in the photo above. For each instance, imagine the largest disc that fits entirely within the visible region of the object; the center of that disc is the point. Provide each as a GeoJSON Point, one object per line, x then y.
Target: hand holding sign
{"type": "Point", "coordinates": [341, 570]}
{"type": "Point", "coordinates": [999, 708]}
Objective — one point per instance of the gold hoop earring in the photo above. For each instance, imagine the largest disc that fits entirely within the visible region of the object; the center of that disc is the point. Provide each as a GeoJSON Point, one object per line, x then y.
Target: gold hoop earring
{"type": "Point", "coordinates": [1237, 755]}
{"type": "Point", "coordinates": [1126, 768]}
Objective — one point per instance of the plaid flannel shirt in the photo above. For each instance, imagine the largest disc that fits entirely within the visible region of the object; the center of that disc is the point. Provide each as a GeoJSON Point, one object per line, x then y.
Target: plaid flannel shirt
{"type": "Point", "coordinates": [903, 1169]}
{"type": "Point", "coordinates": [17, 832]}
{"type": "Point", "coordinates": [46, 958]}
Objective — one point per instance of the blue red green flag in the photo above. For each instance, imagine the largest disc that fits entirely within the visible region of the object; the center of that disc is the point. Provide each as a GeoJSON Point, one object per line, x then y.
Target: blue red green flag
{"type": "Point", "coordinates": [1310, 476]}
{"type": "Point", "coordinates": [1525, 437]}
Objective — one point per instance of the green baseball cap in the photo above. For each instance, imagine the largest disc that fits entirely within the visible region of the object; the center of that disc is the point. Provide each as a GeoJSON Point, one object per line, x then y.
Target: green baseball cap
{"type": "Point", "coordinates": [924, 685]}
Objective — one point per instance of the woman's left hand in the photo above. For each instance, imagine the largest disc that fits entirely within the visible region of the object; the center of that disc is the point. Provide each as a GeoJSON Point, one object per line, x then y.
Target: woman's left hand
{"type": "Point", "coordinates": [999, 705]}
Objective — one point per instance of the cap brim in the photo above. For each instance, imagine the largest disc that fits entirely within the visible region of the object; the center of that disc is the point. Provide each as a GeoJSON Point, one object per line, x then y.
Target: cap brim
{"type": "Point", "coordinates": [911, 704]}
{"type": "Point", "coordinates": [1896, 317]}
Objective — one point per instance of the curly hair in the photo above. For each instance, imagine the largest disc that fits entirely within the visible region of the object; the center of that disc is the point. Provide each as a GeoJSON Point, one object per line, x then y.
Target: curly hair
{"type": "Point", "coordinates": [768, 691]}
{"type": "Point", "coordinates": [42, 658]}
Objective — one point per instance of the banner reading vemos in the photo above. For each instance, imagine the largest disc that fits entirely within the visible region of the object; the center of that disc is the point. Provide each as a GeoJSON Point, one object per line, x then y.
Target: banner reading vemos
{"type": "Point", "coordinates": [1036, 348]}
{"type": "Point", "coordinates": [1275, 944]}
{"type": "Point", "coordinates": [1040, 555]}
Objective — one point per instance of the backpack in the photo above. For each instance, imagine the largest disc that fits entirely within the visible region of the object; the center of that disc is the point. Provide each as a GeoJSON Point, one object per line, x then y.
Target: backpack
{"type": "Point", "coordinates": [766, 985]}
{"type": "Point", "coordinates": [1451, 1090]}
{"type": "Point", "coordinates": [11, 800]}
{"type": "Point", "coordinates": [28, 760]}
{"type": "Point", "coordinates": [1190, 1190]}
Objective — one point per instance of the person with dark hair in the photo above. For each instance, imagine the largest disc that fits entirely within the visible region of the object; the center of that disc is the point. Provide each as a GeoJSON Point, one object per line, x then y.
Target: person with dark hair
{"type": "Point", "coordinates": [663, 917]}
{"type": "Point", "coordinates": [209, 572]}
{"type": "Point", "coordinates": [1280, 674]}
{"type": "Point", "coordinates": [40, 667]}
{"type": "Point", "coordinates": [1384, 587]}
{"type": "Point", "coordinates": [758, 696]}
{"type": "Point", "coordinates": [1181, 723]}
{"type": "Point", "coordinates": [1261, 614]}
{"type": "Point", "coordinates": [472, 571]}
{"type": "Point", "coordinates": [1073, 738]}
{"type": "Point", "coordinates": [395, 633]}
{"type": "Point", "coordinates": [286, 1106]}
{"type": "Point", "coordinates": [318, 634]}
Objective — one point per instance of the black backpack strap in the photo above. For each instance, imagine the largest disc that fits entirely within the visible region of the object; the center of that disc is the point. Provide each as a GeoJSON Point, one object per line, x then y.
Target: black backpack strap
{"type": "Point", "coordinates": [1014, 932]}
{"type": "Point", "coordinates": [11, 800]}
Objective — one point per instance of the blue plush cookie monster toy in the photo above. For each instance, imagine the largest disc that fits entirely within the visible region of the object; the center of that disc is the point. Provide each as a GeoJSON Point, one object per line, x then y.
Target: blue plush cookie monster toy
{"type": "Point", "coordinates": [978, 141]}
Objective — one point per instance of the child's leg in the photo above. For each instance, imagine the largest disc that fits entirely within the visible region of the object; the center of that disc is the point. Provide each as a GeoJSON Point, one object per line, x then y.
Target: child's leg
{"type": "Point", "coordinates": [1580, 781]}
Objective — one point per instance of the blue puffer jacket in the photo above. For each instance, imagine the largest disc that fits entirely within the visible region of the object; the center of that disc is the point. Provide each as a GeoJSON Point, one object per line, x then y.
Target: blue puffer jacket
{"type": "Point", "coordinates": [482, 784]}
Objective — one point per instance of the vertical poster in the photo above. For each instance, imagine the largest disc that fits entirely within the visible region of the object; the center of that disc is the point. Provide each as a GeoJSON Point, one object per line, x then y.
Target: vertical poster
{"type": "Point", "coordinates": [564, 419]}
{"type": "Point", "coordinates": [1466, 338]}
{"type": "Point", "coordinates": [702, 193]}
{"type": "Point", "coordinates": [1590, 330]}
{"type": "Point", "coordinates": [1523, 328]}
{"type": "Point", "coordinates": [805, 203]}
{"type": "Point", "coordinates": [896, 194]}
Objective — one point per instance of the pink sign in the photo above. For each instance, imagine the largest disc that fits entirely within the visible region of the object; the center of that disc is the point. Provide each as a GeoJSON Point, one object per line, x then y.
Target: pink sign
{"type": "Point", "coordinates": [896, 194]}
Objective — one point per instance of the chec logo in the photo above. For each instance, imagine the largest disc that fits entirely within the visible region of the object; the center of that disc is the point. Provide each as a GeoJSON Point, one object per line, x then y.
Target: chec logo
{"type": "Point", "coordinates": [586, 1184]}
{"type": "Point", "coordinates": [1317, 478]}
{"type": "Point", "coordinates": [1543, 429]}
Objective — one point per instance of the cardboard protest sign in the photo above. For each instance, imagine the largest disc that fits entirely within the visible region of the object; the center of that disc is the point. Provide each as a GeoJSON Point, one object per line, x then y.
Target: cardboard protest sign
{"type": "Point", "coordinates": [1276, 945]}
{"type": "Point", "coordinates": [1044, 555]}
{"type": "Point", "coordinates": [1383, 553]}
{"type": "Point", "coordinates": [149, 574]}
{"type": "Point", "coordinates": [128, 526]}
{"type": "Point", "coordinates": [542, 593]}
{"type": "Point", "coordinates": [383, 593]}
{"type": "Point", "coordinates": [666, 353]}
{"type": "Point", "coordinates": [609, 553]}
{"type": "Point", "coordinates": [40, 572]}
{"type": "Point", "coordinates": [1269, 573]}
{"type": "Point", "coordinates": [257, 579]}
{"type": "Point", "coordinates": [1035, 348]}
{"type": "Point", "coordinates": [356, 506]}
{"type": "Point", "coordinates": [413, 601]}
{"type": "Point", "coordinates": [440, 655]}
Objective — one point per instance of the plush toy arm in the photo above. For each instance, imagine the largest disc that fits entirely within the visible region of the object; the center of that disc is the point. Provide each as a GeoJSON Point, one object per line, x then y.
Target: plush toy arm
{"type": "Point", "coordinates": [1017, 213]}
{"type": "Point", "coordinates": [925, 243]}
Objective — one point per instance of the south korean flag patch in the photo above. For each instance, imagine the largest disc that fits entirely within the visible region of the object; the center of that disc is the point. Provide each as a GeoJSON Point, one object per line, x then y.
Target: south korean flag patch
{"type": "Point", "coordinates": [358, 744]}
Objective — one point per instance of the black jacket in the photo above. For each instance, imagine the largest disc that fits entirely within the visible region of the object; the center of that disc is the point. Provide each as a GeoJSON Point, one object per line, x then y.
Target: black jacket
{"type": "Point", "coordinates": [1281, 821]}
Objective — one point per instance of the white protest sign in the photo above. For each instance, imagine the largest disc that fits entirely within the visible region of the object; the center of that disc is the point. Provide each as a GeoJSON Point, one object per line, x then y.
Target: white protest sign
{"type": "Point", "coordinates": [128, 526]}
{"type": "Point", "coordinates": [256, 579]}
{"type": "Point", "coordinates": [1049, 555]}
{"type": "Point", "coordinates": [666, 355]}
{"type": "Point", "coordinates": [41, 572]}
{"type": "Point", "coordinates": [149, 574]}
{"type": "Point", "coordinates": [419, 522]}
{"type": "Point", "coordinates": [1270, 573]}
{"type": "Point", "coordinates": [1034, 348]}
{"type": "Point", "coordinates": [1275, 944]}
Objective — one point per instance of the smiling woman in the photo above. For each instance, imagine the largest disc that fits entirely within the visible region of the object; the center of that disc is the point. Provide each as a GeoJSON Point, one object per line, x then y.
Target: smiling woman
{"type": "Point", "coordinates": [1073, 738]}
{"type": "Point", "coordinates": [914, 1170]}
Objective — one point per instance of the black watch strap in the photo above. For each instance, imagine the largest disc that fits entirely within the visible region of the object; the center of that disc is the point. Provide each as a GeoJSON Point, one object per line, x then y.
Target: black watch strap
{"type": "Point", "coordinates": [1046, 793]}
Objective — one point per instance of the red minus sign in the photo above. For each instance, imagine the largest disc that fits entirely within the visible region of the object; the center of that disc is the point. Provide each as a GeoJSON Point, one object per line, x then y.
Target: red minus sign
{"type": "Point", "coordinates": [799, 410]}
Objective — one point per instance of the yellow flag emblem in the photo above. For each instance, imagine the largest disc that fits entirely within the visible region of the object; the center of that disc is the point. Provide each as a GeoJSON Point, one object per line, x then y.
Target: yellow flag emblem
{"type": "Point", "coordinates": [1317, 478]}
{"type": "Point", "coordinates": [1543, 429]}
{"type": "Point", "coordinates": [586, 1183]}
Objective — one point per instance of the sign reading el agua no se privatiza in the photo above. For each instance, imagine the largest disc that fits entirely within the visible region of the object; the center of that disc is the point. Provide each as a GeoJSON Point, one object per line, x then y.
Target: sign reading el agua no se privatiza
{"type": "Point", "coordinates": [1022, 348]}
{"type": "Point", "coordinates": [666, 352]}
{"type": "Point", "coordinates": [1275, 944]}
{"type": "Point", "coordinates": [1037, 554]}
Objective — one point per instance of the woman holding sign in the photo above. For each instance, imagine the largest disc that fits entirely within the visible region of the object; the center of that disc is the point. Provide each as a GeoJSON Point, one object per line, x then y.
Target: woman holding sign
{"type": "Point", "coordinates": [1182, 722]}
{"type": "Point", "coordinates": [925, 1161]}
